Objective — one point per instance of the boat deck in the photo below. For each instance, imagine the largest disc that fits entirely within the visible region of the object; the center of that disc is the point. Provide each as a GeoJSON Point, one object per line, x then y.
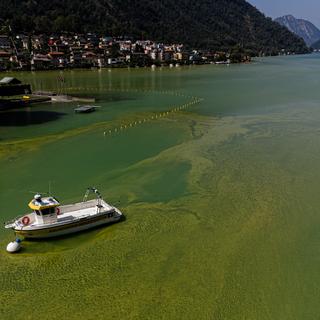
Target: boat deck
{"type": "Point", "coordinates": [77, 211]}
{"type": "Point", "coordinates": [78, 214]}
{"type": "Point", "coordinates": [82, 213]}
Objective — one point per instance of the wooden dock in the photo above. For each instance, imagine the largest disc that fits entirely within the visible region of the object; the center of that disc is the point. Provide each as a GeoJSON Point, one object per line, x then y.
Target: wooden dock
{"type": "Point", "coordinates": [62, 97]}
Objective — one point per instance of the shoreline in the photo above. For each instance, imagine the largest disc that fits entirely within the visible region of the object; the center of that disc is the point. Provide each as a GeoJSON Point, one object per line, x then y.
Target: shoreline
{"type": "Point", "coordinates": [155, 67]}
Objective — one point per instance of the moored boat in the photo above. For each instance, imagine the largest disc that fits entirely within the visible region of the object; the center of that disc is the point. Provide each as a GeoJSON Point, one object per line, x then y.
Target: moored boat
{"type": "Point", "coordinates": [85, 109]}
{"type": "Point", "coordinates": [50, 219]}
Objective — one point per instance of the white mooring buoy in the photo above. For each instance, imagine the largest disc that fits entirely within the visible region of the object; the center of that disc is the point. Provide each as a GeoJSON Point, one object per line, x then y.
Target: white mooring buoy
{"type": "Point", "coordinates": [14, 246]}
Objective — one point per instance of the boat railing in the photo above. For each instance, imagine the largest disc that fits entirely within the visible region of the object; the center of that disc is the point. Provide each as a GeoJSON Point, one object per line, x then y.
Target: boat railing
{"type": "Point", "coordinates": [12, 221]}
{"type": "Point", "coordinates": [78, 206]}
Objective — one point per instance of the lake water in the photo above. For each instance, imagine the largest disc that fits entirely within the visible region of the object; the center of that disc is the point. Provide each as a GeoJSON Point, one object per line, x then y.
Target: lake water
{"type": "Point", "coordinates": [217, 170]}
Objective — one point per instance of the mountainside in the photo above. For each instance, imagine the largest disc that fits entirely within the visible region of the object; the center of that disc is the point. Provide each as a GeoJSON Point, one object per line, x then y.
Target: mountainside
{"type": "Point", "coordinates": [212, 24]}
{"type": "Point", "coordinates": [303, 28]}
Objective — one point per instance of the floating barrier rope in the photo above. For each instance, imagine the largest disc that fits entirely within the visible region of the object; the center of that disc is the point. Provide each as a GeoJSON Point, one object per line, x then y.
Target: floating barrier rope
{"type": "Point", "coordinates": [174, 109]}
{"type": "Point", "coordinates": [153, 117]}
{"type": "Point", "coordinates": [165, 92]}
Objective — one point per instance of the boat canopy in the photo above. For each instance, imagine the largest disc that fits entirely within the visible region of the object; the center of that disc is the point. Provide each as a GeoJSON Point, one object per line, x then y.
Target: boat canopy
{"type": "Point", "coordinates": [39, 203]}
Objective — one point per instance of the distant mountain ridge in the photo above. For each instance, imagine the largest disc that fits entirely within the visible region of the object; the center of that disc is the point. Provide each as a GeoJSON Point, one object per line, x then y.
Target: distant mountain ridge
{"type": "Point", "coordinates": [204, 24]}
{"type": "Point", "coordinates": [302, 28]}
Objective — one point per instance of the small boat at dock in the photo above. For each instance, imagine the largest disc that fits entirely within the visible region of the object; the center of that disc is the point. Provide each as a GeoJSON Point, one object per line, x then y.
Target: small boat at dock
{"type": "Point", "coordinates": [85, 109]}
{"type": "Point", "coordinates": [49, 219]}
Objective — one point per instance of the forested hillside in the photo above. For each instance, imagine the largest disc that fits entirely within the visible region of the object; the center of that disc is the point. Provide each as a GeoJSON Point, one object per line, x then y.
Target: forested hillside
{"type": "Point", "coordinates": [212, 24]}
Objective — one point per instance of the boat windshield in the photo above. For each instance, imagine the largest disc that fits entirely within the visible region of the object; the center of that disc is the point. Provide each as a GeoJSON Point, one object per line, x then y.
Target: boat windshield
{"type": "Point", "coordinates": [48, 211]}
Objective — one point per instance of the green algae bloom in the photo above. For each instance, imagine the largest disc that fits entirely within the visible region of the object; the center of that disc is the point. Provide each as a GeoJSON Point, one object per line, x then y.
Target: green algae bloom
{"type": "Point", "coordinates": [220, 198]}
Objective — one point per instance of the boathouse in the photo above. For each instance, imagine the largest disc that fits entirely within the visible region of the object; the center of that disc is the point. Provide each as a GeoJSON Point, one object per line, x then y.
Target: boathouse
{"type": "Point", "coordinates": [10, 86]}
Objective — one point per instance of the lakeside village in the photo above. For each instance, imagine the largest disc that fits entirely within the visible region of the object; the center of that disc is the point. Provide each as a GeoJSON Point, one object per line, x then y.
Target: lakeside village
{"type": "Point", "coordinates": [42, 52]}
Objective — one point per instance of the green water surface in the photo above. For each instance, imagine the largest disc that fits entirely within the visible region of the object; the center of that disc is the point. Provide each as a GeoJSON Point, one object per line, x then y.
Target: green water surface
{"type": "Point", "coordinates": [217, 171]}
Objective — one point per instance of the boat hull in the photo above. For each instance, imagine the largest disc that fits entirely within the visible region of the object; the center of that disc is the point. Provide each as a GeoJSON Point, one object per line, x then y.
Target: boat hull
{"type": "Point", "coordinates": [66, 229]}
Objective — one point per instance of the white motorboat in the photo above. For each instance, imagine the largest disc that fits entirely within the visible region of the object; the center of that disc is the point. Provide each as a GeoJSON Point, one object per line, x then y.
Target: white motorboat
{"type": "Point", "coordinates": [49, 219]}
{"type": "Point", "coordinates": [85, 108]}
